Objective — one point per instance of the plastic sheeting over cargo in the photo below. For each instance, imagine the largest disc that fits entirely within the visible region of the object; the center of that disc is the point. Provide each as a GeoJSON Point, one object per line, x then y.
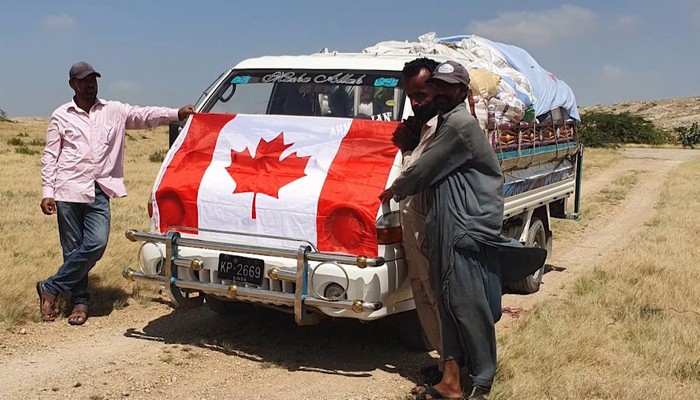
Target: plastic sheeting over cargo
{"type": "Point", "coordinates": [532, 85]}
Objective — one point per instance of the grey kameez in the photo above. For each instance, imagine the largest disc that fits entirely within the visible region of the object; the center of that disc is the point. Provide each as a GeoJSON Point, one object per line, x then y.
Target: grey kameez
{"type": "Point", "coordinates": [463, 232]}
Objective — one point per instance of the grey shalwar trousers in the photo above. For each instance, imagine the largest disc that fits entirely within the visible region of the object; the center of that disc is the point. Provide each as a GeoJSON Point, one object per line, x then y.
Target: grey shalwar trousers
{"type": "Point", "coordinates": [469, 300]}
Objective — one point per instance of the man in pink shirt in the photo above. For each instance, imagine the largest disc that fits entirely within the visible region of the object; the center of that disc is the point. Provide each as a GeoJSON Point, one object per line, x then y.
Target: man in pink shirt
{"type": "Point", "coordinates": [82, 168]}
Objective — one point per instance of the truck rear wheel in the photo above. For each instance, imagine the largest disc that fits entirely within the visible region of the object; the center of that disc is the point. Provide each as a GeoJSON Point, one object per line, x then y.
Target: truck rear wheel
{"type": "Point", "coordinates": [536, 237]}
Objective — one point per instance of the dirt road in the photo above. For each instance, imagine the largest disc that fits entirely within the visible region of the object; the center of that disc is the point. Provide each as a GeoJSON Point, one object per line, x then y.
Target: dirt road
{"type": "Point", "coordinates": [152, 351]}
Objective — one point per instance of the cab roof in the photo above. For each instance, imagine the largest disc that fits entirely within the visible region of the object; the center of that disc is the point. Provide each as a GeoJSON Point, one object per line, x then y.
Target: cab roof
{"type": "Point", "coordinates": [336, 61]}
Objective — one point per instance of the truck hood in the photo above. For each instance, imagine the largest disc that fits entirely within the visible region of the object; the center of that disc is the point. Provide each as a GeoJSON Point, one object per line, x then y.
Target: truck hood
{"type": "Point", "coordinates": [309, 178]}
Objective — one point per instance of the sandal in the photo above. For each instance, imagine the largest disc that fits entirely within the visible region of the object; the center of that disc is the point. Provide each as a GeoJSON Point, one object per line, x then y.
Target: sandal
{"type": "Point", "coordinates": [79, 314]}
{"type": "Point", "coordinates": [431, 375]}
{"type": "Point", "coordinates": [420, 392]}
{"type": "Point", "coordinates": [47, 303]}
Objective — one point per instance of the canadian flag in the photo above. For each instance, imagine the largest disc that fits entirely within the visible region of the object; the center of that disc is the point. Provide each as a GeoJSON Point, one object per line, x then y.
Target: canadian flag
{"type": "Point", "coordinates": [307, 178]}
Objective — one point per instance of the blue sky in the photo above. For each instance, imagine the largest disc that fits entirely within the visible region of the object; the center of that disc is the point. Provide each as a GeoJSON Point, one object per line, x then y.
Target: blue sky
{"type": "Point", "coordinates": [167, 52]}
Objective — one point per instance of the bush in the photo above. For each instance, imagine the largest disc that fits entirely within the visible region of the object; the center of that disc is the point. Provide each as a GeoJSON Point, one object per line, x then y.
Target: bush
{"type": "Point", "coordinates": [26, 150]}
{"type": "Point", "coordinates": [688, 136]}
{"type": "Point", "coordinates": [3, 116]}
{"type": "Point", "coordinates": [158, 156]}
{"type": "Point", "coordinates": [15, 141]}
{"type": "Point", "coordinates": [602, 129]}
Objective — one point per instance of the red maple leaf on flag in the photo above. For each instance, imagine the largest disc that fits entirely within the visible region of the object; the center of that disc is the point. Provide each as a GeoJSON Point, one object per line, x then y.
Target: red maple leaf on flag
{"type": "Point", "coordinates": [266, 173]}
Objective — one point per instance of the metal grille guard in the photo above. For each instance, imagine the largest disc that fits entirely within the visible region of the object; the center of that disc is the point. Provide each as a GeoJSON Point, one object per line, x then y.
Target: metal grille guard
{"type": "Point", "coordinates": [299, 300]}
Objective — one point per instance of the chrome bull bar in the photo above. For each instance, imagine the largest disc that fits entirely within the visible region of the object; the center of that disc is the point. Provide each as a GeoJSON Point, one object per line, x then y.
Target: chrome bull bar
{"type": "Point", "coordinates": [299, 300]}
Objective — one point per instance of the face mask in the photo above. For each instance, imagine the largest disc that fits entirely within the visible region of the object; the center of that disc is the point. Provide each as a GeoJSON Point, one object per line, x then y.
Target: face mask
{"type": "Point", "coordinates": [425, 112]}
{"type": "Point", "coordinates": [442, 103]}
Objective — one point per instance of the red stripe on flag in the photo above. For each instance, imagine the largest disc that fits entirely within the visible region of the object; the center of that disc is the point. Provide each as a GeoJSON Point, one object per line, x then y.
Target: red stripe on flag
{"type": "Point", "coordinates": [348, 204]}
{"type": "Point", "coordinates": [176, 195]}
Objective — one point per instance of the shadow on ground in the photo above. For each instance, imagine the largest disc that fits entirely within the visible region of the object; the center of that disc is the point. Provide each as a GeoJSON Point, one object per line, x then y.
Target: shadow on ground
{"type": "Point", "coordinates": [103, 299]}
{"type": "Point", "coordinates": [341, 346]}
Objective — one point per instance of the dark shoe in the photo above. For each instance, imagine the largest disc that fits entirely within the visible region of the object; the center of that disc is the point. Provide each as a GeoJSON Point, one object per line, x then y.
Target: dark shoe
{"type": "Point", "coordinates": [478, 392]}
{"type": "Point", "coordinates": [431, 375]}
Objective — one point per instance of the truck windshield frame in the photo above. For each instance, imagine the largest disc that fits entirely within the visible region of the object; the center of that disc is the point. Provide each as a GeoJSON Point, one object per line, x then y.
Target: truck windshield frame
{"type": "Point", "coordinates": [376, 95]}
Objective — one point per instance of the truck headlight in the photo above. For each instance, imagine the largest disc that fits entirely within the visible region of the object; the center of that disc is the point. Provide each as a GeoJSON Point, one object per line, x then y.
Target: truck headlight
{"type": "Point", "coordinates": [335, 292]}
{"type": "Point", "coordinates": [389, 228]}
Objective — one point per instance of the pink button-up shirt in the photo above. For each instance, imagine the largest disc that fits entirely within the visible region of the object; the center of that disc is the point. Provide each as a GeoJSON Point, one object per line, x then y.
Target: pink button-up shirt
{"type": "Point", "coordinates": [83, 148]}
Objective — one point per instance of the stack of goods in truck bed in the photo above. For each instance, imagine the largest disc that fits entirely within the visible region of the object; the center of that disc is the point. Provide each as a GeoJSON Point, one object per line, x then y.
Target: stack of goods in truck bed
{"type": "Point", "coordinates": [525, 110]}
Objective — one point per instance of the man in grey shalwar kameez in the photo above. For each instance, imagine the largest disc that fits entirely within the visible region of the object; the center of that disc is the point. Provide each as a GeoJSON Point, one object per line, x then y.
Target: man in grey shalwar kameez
{"type": "Point", "coordinates": [460, 169]}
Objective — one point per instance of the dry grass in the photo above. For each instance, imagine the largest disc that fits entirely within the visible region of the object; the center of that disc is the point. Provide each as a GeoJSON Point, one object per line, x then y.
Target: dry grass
{"type": "Point", "coordinates": [598, 160]}
{"type": "Point", "coordinates": [626, 331]}
{"type": "Point", "coordinates": [618, 189]}
{"type": "Point", "coordinates": [594, 205]}
{"type": "Point", "coordinates": [29, 240]}
{"type": "Point", "coordinates": [630, 328]}
{"type": "Point", "coordinates": [29, 245]}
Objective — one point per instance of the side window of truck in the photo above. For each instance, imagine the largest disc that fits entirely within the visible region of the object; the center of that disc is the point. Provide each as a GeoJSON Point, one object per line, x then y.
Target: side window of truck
{"type": "Point", "coordinates": [242, 99]}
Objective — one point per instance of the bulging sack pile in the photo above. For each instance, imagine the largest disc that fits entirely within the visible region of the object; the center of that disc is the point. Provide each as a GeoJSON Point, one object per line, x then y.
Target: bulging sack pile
{"type": "Point", "coordinates": [507, 84]}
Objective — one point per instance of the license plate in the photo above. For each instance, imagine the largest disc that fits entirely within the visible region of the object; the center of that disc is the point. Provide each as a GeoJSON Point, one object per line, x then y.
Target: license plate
{"type": "Point", "coordinates": [241, 269]}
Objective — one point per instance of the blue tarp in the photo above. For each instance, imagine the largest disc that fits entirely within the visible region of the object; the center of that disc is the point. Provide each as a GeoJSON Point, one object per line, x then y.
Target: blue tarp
{"type": "Point", "coordinates": [549, 91]}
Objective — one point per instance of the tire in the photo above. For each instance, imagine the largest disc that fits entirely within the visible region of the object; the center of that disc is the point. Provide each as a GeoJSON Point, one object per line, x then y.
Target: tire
{"type": "Point", "coordinates": [536, 237]}
{"type": "Point", "coordinates": [224, 307]}
{"type": "Point", "coordinates": [411, 333]}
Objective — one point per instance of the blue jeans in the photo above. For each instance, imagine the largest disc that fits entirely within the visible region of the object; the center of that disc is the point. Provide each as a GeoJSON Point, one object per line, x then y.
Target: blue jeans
{"type": "Point", "coordinates": [84, 230]}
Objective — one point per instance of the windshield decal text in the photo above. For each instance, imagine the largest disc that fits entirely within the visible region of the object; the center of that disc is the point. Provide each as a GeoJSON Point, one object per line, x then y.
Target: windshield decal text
{"type": "Point", "coordinates": [285, 77]}
{"type": "Point", "coordinates": [341, 78]}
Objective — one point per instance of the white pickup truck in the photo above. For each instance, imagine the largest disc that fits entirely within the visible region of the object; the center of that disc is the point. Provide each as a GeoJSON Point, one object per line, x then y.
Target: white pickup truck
{"type": "Point", "coordinates": [314, 240]}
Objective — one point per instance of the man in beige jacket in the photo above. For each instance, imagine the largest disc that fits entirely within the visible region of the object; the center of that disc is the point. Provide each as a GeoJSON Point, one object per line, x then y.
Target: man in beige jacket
{"type": "Point", "coordinates": [412, 139]}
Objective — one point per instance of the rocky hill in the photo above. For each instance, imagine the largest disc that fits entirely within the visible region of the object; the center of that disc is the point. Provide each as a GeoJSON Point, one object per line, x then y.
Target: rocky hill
{"type": "Point", "coordinates": [666, 114]}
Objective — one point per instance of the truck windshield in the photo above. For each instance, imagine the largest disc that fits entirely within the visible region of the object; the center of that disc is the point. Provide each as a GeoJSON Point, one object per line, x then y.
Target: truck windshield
{"type": "Point", "coordinates": [327, 93]}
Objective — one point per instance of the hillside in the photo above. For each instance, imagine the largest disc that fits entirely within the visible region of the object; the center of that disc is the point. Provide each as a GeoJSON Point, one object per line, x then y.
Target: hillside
{"type": "Point", "coordinates": [666, 114]}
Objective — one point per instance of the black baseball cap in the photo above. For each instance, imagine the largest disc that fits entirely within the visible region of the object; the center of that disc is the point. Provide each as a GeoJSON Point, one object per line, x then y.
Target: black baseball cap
{"type": "Point", "coordinates": [451, 72]}
{"type": "Point", "coordinates": [82, 70]}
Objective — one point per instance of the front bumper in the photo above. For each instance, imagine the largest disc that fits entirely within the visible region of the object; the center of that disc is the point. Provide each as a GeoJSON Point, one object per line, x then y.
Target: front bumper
{"type": "Point", "coordinates": [186, 270]}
